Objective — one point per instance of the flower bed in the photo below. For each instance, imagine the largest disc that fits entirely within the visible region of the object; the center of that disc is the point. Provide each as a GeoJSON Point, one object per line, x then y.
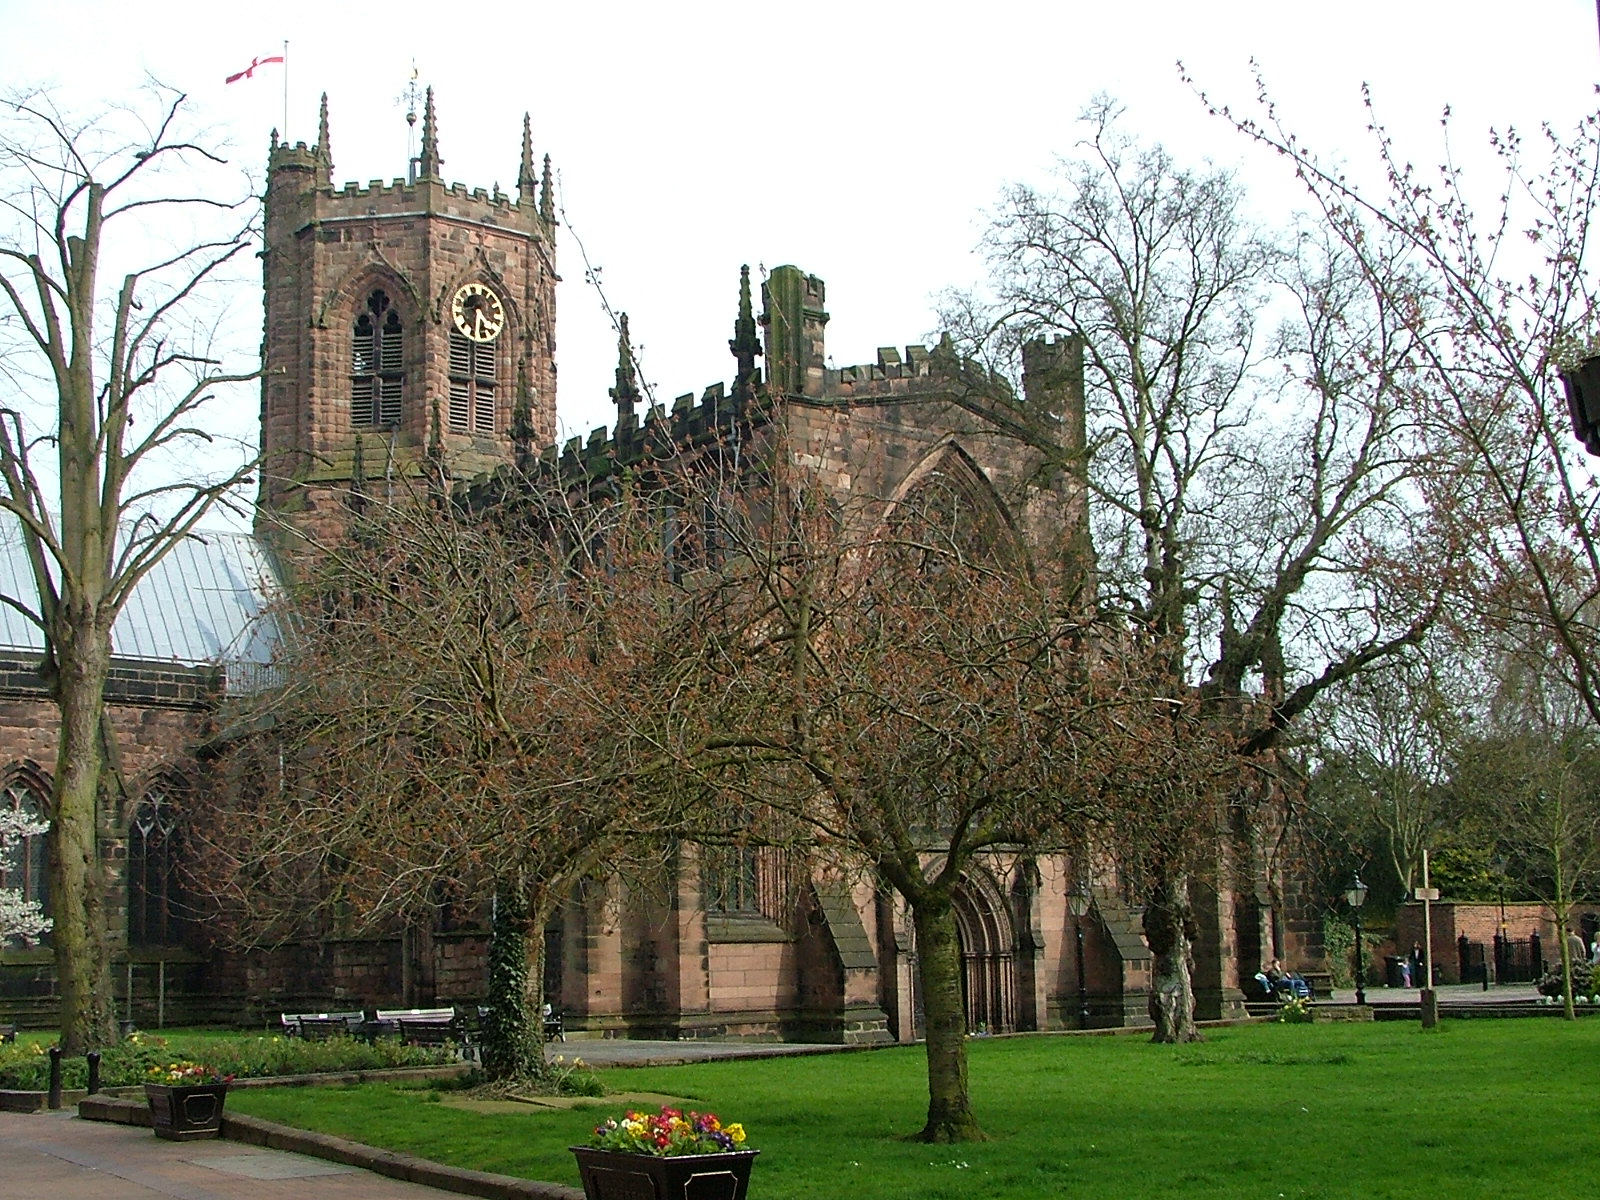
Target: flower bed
{"type": "Point", "coordinates": [142, 1058]}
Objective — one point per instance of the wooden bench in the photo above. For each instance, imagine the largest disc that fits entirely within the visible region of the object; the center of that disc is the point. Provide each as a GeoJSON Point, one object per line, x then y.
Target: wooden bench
{"type": "Point", "coordinates": [1321, 983]}
{"type": "Point", "coordinates": [319, 1027]}
{"type": "Point", "coordinates": [421, 1026]}
{"type": "Point", "coordinates": [8, 1033]}
{"type": "Point", "coordinates": [429, 1033]}
{"type": "Point", "coordinates": [555, 1024]}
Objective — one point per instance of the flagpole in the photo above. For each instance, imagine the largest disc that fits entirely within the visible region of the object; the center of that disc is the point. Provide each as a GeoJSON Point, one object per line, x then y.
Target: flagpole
{"type": "Point", "coordinates": [286, 88]}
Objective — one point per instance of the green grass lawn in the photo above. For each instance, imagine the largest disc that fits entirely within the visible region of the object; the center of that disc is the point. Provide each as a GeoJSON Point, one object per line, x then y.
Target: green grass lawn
{"type": "Point", "coordinates": [1358, 1112]}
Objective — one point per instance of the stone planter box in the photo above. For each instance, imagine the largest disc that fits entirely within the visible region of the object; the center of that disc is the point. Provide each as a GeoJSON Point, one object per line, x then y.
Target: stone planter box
{"type": "Point", "coordinates": [186, 1113]}
{"type": "Point", "coordinates": [613, 1175]}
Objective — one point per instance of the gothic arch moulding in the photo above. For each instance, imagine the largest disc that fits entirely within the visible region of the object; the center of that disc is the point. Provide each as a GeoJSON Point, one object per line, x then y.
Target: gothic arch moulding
{"type": "Point", "coordinates": [987, 936]}
{"type": "Point", "coordinates": [346, 297]}
{"type": "Point", "coordinates": [949, 485]}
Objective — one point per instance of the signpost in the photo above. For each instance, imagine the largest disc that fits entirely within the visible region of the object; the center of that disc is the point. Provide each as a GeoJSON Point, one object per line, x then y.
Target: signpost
{"type": "Point", "coordinates": [1429, 998]}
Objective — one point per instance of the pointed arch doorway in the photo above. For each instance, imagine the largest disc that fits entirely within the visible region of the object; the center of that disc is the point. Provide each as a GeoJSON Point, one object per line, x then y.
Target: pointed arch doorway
{"type": "Point", "coordinates": [988, 968]}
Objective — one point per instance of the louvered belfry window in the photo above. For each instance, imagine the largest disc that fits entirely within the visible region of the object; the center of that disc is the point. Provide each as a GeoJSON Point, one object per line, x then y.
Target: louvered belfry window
{"type": "Point", "coordinates": [472, 384]}
{"type": "Point", "coordinates": [376, 374]}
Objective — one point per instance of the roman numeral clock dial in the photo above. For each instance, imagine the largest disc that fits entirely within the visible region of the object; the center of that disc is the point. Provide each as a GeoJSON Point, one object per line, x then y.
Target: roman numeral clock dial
{"type": "Point", "coordinates": [477, 312]}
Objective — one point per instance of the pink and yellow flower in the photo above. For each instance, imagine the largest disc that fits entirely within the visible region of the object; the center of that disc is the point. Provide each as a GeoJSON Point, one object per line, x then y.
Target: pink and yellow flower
{"type": "Point", "coordinates": [668, 1133]}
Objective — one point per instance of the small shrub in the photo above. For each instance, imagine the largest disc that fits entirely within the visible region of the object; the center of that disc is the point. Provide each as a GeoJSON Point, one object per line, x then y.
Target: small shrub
{"type": "Point", "coordinates": [1583, 982]}
{"type": "Point", "coordinates": [1294, 1011]}
{"type": "Point", "coordinates": [573, 1078]}
{"type": "Point", "coordinates": [130, 1061]}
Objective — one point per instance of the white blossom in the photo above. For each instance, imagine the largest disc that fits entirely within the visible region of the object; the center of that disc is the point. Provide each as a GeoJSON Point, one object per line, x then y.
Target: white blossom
{"type": "Point", "coordinates": [19, 918]}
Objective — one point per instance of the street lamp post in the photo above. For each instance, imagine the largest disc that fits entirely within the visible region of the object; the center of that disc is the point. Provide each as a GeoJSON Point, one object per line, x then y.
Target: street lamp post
{"type": "Point", "coordinates": [1078, 902]}
{"type": "Point", "coordinates": [1356, 895]}
{"type": "Point", "coordinates": [1498, 865]}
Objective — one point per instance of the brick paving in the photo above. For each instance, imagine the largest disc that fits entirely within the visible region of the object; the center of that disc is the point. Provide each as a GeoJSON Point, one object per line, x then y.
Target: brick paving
{"type": "Point", "coordinates": [60, 1156]}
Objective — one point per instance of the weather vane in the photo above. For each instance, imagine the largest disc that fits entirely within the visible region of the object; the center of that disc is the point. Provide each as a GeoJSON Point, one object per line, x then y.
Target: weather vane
{"type": "Point", "coordinates": [409, 98]}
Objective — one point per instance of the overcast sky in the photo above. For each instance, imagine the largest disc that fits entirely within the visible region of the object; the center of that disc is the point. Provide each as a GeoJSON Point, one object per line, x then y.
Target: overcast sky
{"type": "Point", "coordinates": [861, 141]}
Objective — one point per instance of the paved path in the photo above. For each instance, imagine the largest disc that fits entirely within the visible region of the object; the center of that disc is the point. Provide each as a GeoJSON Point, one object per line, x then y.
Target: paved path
{"type": "Point", "coordinates": [620, 1052]}
{"type": "Point", "coordinates": [1449, 993]}
{"type": "Point", "coordinates": [57, 1156]}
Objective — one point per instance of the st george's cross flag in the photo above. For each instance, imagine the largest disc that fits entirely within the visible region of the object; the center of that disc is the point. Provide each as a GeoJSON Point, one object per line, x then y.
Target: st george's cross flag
{"type": "Point", "coordinates": [250, 71]}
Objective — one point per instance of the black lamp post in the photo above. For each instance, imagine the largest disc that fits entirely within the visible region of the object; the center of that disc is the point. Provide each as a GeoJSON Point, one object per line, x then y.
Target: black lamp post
{"type": "Point", "coordinates": [1498, 865]}
{"type": "Point", "coordinates": [1356, 895]}
{"type": "Point", "coordinates": [1078, 902]}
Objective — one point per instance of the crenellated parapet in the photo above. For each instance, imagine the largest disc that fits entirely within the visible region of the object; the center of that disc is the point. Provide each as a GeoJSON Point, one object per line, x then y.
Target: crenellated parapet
{"type": "Point", "coordinates": [666, 435]}
{"type": "Point", "coordinates": [416, 314]}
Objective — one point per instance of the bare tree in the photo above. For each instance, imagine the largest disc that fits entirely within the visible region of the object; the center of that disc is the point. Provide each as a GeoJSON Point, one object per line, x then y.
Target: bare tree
{"type": "Point", "coordinates": [1383, 747]}
{"type": "Point", "coordinates": [922, 706]}
{"type": "Point", "coordinates": [472, 705]}
{"type": "Point", "coordinates": [1248, 481]}
{"type": "Point", "coordinates": [107, 383]}
{"type": "Point", "coordinates": [1533, 771]}
{"type": "Point", "coordinates": [1491, 281]}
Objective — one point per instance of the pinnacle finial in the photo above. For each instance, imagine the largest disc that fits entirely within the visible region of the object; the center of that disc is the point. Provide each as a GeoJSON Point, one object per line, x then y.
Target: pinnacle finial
{"type": "Point", "coordinates": [547, 203]}
{"type": "Point", "coordinates": [745, 343]}
{"type": "Point", "coordinates": [429, 162]}
{"type": "Point", "coordinates": [527, 181]}
{"type": "Point", "coordinates": [324, 146]}
{"type": "Point", "coordinates": [626, 393]}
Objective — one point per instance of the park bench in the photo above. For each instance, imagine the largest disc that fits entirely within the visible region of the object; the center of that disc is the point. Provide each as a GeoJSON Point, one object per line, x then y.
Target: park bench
{"type": "Point", "coordinates": [555, 1024]}
{"type": "Point", "coordinates": [8, 1033]}
{"type": "Point", "coordinates": [1321, 983]}
{"type": "Point", "coordinates": [319, 1027]}
{"type": "Point", "coordinates": [421, 1026]}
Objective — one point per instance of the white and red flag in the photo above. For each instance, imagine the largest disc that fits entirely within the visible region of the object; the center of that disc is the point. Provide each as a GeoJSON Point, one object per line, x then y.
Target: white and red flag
{"type": "Point", "coordinates": [250, 71]}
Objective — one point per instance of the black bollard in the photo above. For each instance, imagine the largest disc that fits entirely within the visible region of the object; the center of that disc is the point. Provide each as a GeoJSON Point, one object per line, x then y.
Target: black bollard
{"type": "Point", "coordinates": [94, 1072]}
{"type": "Point", "coordinates": [54, 1100]}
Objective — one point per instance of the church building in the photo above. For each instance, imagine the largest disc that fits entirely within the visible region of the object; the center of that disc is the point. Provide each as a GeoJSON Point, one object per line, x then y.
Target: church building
{"type": "Point", "coordinates": [410, 326]}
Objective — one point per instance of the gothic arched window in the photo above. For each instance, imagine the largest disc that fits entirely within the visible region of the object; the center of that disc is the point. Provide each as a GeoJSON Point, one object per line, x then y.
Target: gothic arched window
{"type": "Point", "coordinates": [376, 374]}
{"type": "Point", "coordinates": [158, 911]}
{"type": "Point", "coordinates": [24, 863]}
{"type": "Point", "coordinates": [472, 384]}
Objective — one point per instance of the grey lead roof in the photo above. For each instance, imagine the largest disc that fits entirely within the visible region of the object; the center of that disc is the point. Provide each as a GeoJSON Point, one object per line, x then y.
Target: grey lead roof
{"type": "Point", "coordinates": [205, 602]}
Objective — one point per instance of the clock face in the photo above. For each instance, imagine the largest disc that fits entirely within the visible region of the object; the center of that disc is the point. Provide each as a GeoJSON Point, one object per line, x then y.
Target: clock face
{"type": "Point", "coordinates": [478, 312]}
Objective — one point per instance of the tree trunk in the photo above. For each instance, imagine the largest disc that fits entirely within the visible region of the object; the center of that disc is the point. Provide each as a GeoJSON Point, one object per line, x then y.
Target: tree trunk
{"type": "Point", "coordinates": [950, 1116]}
{"type": "Point", "coordinates": [77, 893]}
{"type": "Point", "coordinates": [1170, 930]}
{"type": "Point", "coordinates": [513, 1032]}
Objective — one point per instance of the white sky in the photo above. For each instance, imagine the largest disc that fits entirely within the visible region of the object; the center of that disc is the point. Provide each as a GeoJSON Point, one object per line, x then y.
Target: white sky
{"type": "Point", "coordinates": [861, 141]}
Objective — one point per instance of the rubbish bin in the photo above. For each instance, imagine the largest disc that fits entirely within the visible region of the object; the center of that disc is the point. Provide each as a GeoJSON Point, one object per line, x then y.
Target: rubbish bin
{"type": "Point", "coordinates": [1394, 974]}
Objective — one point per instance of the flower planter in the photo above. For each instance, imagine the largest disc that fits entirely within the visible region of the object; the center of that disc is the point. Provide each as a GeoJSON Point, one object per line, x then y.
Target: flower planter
{"type": "Point", "coordinates": [186, 1112]}
{"type": "Point", "coordinates": [617, 1175]}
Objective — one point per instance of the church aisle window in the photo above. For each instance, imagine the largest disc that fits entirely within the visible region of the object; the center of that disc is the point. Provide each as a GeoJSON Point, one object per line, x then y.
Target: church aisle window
{"type": "Point", "coordinates": [157, 909]}
{"type": "Point", "coordinates": [376, 366]}
{"type": "Point", "coordinates": [24, 864]}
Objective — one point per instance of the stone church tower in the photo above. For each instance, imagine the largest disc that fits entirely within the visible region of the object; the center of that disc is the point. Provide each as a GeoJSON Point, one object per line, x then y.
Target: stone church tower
{"type": "Point", "coordinates": [410, 328]}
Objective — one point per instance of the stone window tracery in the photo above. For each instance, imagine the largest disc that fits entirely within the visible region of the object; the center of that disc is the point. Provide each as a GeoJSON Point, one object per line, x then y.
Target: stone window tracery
{"type": "Point", "coordinates": [158, 910]}
{"type": "Point", "coordinates": [24, 865]}
{"type": "Point", "coordinates": [377, 374]}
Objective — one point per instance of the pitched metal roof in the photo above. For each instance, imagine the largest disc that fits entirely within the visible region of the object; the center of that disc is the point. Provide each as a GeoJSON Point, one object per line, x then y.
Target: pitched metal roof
{"type": "Point", "coordinates": [205, 602]}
